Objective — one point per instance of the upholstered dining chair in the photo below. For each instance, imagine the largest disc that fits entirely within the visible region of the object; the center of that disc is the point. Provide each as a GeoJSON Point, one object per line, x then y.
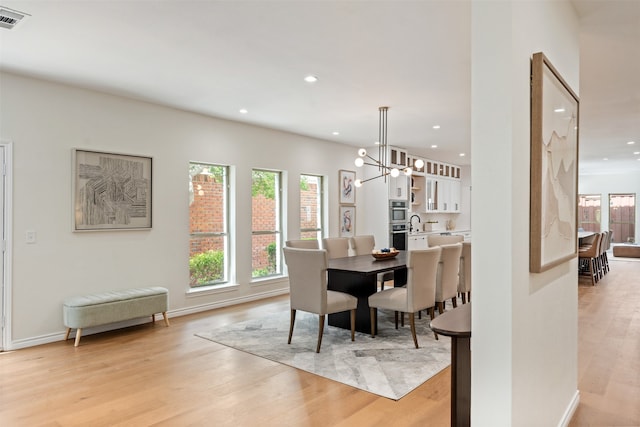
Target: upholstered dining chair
{"type": "Point", "coordinates": [365, 244]}
{"type": "Point", "coordinates": [418, 294]}
{"type": "Point", "coordinates": [303, 244]}
{"type": "Point", "coordinates": [447, 279]}
{"type": "Point", "coordinates": [308, 289]}
{"type": "Point", "coordinates": [588, 258]}
{"type": "Point", "coordinates": [439, 240]}
{"type": "Point", "coordinates": [336, 247]}
{"type": "Point", "coordinates": [464, 282]}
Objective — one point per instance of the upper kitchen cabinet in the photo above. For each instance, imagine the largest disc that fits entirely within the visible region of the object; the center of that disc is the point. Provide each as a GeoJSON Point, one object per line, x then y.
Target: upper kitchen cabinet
{"type": "Point", "coordinates": [398, 157]}
{"type": "Point", "coordinates": [412, 164]}
{"type": "Point", "coordinates": [417, 193]}
{"type": "Point", "coordinates": [399, 187]}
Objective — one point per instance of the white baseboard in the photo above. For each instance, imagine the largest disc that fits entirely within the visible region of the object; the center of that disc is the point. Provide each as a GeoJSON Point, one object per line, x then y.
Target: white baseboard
{"type": "Point", "coordinates": [59, 336]}
{"type": "Point", "coordinates": [571, 409]}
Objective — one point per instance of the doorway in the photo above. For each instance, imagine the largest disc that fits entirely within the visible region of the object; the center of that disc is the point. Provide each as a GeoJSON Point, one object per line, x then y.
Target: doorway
{"type": "Point", "coordinates": [622, 217]}
{"type": "Point", "coordinates": [5, 262]}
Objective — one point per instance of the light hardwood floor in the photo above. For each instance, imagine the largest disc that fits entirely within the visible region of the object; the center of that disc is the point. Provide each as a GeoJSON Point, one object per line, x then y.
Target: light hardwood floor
{"type": "Point", "coordinates": [153, 375]}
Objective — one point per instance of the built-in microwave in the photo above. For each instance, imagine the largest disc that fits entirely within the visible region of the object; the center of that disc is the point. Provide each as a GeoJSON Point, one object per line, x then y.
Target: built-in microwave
{"type": "Point", "coordinates": [398, 212]}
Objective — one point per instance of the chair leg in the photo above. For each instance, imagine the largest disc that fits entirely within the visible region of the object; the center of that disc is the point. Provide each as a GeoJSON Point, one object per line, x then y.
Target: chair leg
{"type": "Point", "coordinates": [432, 314]}
{"type": "Point", "coordinates": [320, 331]}
{"type": "Point", "coordinates": [353, 325]}
{"type": "Point", "coordinates": [372, 315]}
{"type": "Point", "coordinates": [464, 297]}
{"type": "Point", "coordinates": [396, 319]}
{"type": "Point", "coordinates": [292, 321]}
{"type": "Point", "coordinates": [440, 307]}
{"type": "Point", "coordinates": [454, 301]}
{"type": "Point", "coordinates": [412, 321]}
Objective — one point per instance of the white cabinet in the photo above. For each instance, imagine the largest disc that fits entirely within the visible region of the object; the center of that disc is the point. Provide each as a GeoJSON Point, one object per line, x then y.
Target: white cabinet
{"type": "Point", "coordinates": [431, 195]}
{"type": "Point", "coordinates": [398, 157]}
{"type": "Point", "coordinates": [399, 187]}
{"type": "Point", "coordinates": [418, 241]}
{"type": "Point", "coordinates": [416, 196]}
{"type": "Point", "coordinates": [442, 195]}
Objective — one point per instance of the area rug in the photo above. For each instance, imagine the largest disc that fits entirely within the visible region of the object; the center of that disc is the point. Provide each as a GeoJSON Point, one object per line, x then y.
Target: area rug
{"type": "Point", "coordinates": [388, 365]}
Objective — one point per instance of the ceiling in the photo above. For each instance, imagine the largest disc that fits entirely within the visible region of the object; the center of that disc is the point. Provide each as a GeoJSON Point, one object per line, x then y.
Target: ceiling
{"type": "Point", "coordinates": [217, 57]}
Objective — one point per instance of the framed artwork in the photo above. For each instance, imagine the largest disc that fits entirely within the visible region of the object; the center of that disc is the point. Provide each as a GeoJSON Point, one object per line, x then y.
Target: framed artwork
{"type": "Point", "coordinates": [346, 180]}
{"type": "Point", "coordinates": [347, 221]}
{"type": "Point", "coordinates": [554, 168]}
{"type": "Point", "coordinates": [111, 191]}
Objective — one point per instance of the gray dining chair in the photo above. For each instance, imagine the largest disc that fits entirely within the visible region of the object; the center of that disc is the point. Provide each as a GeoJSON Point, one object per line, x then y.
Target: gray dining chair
{"type": "Point", "coordinates": [308, 289]}
{"type": "Point", "coordinates": [303, 244]}
{"type": "Point", "coordinates": [439, 239]}
{"type": "Point", "coordinates": [336, 247]}
{"type": "Point", "coordinates": [447, 279]}
{"type": "Point", "coordinates": [464, 283]}
{"type": "Point", "coordinates": [418, 294]}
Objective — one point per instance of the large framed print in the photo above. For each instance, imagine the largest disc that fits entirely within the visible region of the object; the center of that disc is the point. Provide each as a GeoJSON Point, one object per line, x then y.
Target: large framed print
{"type": "Point", "coordinates": [347, 221]}
{"type": "Point", "coordinates": [554, 168]}
{"type": "Point", "coordinates": [111, 191]}
{"type": "Point", "coordinates": [346, 180]}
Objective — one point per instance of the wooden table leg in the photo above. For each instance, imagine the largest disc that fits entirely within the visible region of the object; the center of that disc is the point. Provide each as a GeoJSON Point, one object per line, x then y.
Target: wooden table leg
{"type": "Point", "coordinates": [460, 381]}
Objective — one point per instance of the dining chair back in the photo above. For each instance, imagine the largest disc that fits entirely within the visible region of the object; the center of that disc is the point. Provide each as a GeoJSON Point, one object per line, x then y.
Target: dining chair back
{"type": "Point", "coordinates": [439, 240]}
{"type": "Point", "coordinates": [303, 244]}
{"type": "Point", "coordinates": [447, 279]}
{"type": "Point", "coordinates": [418, 294]}
{"type": "Point", "coordinates": [308, 289]}
{"type": "Point", "coordinates": [336, 247]}
{"type": "Point", "coordinates": [464, 282]}
{"type": "Point", "coordinates": [362, 245]}
{"type": "Point", "coordinates": [588, 259]}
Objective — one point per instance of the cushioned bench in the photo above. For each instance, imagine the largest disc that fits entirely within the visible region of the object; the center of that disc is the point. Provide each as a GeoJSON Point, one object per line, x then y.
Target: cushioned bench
{"type": "Point", "coordinates": [85, 311]}
{"type": "Point", "coordinates": [627, 251]}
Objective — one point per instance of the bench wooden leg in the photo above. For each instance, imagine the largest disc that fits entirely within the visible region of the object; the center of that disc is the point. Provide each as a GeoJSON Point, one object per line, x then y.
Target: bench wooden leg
{"type": "Point", "coordinates": [78, 335]}
{"type": "Point", "coordinates": [66, 336]}
{"type": "Point", "coordinates": [166, 318]}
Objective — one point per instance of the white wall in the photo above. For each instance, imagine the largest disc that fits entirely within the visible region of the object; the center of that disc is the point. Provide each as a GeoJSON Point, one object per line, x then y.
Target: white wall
{"type": "Point", "coordinates": [44, 121]}
{"type": "Point", "coordinates": [524, 326]}
{"type": "Point", "coordinates": [627, 183]}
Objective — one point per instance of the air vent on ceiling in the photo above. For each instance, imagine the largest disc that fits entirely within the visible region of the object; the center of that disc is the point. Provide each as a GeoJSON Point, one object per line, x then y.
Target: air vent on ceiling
{"type": "Point", "coordinates": [9, 18]}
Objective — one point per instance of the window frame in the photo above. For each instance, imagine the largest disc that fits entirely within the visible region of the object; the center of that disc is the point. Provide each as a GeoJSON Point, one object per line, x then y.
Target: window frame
{"type": "Point", "coordinates": [278, 225]}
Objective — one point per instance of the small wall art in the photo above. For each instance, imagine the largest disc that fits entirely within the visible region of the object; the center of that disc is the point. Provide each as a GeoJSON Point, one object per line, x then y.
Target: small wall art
{"type": "Point", "coordinates": [554, 168]}
{"type": "Point", "coordinates": [111, 191]}
{"type": "Point", "coordinates": [347, 221]}
{"type": "Point", "coordinates": [346, 181]}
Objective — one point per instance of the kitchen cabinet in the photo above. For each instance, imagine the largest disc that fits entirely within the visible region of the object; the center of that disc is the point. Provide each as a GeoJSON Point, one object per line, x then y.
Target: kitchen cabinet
{"type": "Point", "coordinates": [431, 195]}
{"type": "Point", "coordinates": [418, 241]}
{"type": "Point", "coordinates": [442, 195]}
{"type": "Point", "coordinates": [399, 187]}
{"type": "Point", "coordinates": [398, 157]}
{"type": "Point", "coordinates": [416, 196]}
{"type": "Point", "coordinates": [411, 162]}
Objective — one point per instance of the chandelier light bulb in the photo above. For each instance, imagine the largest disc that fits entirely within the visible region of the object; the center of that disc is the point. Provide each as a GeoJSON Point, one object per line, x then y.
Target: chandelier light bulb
{"type": "Point", "coordinates": [359, 162]}
{"type": "Point", "coordinates": [362, 152]}
{"type": "Point", "coordinates": [419, 164]}
{"type": "Point", "coordinates": [395, 172]}
{"type": "Point", "coordinates": [408, 171]}
{"type": "Point", "coordinates": [358, 183]}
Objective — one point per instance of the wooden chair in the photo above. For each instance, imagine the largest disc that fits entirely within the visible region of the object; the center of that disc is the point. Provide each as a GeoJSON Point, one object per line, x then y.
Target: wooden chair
{"type": "Point", "coordinates": [308, 289]}
{"type": "Point", "coordinates": [588, 258]}
{"type": "Point", "coordinates": [418, 294]}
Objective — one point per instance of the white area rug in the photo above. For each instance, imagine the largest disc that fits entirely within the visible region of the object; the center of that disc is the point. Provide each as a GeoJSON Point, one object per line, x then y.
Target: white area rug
{"type": "Point", "coordinates": [388, 365]}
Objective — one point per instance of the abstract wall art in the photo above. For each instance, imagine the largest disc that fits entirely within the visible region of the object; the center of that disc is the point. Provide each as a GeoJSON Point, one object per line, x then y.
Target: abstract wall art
{"type": "Point", "coordinates": [554, 168]}
{"type": "Point", "coordinates": [111, 191]}
{"type": "Point", "coordinates": [347, 221]}
{"type": "Point", "coordinates": [346, 181]}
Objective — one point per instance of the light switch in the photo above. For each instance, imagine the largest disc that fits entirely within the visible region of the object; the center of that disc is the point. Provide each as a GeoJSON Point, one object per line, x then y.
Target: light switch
{"type": "Point", "coordinates": [31, 236]}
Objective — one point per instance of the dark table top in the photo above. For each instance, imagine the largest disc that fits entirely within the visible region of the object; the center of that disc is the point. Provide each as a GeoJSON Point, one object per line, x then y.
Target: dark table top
{"type": "Point", "coordinates": [367, 264]}
{"type": "Point", "coordinates": [454, 323]}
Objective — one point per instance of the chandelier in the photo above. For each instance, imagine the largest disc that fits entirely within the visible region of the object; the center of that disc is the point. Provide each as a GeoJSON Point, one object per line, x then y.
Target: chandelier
{"type": "Point", "coordinates": [384, 168]}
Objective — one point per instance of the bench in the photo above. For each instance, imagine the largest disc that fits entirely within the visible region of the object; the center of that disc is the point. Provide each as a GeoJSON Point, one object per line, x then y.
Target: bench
{"type": "Point", "coordinates": [627, 251]}
{"type": "Point", "coordinates": [85, 311]}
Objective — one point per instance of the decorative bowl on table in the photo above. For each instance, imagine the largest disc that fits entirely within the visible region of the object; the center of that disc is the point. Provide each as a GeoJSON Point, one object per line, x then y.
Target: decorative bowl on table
{"type": "Point", "coordinates": [385, 253]}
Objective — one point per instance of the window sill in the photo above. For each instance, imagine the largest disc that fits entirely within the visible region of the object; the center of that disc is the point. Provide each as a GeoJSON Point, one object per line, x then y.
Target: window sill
{"type": "Point", "coordinates": [211, 290]}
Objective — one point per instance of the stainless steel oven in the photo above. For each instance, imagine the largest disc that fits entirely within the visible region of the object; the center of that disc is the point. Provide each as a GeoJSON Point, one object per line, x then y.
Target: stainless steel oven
{"type": "Point", "coordinates": [398, 234]}
{"type": "Point", "coordinates": [398, 212]}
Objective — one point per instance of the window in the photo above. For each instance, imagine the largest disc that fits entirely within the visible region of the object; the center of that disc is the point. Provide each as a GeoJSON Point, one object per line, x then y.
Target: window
{"type": "Point", "coordinates": [311, 207]}
{"type": "Point", "coordinates": [208, 225]}
{"type": "Point", "coordinates": [589, 212]}
{"type": "Point", "coordinates": [266, 214]}
{"type": "Point", "coordinates": [622, 217]}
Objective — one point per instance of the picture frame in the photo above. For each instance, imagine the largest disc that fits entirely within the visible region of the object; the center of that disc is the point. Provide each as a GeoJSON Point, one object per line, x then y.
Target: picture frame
{"type": "Point", "coordinates": [554, 144]}
{"type": "Point", "coordinates": [111, 191]}
{"type": "Point", "coordinates": [346, 187]}
{"type": "Point", "coordinates": [347, 221]}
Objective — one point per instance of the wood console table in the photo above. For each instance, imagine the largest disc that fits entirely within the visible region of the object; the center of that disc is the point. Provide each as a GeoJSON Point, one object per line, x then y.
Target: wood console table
{"type": "Point", "coordinates": [457, 325]}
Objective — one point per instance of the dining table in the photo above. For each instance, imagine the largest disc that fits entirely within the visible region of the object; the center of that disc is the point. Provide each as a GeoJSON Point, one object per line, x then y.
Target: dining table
{"type": "Point", "coordinates": [358, 276]}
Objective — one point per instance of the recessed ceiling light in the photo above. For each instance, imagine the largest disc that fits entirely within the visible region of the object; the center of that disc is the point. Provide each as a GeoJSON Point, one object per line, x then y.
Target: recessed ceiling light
{"type": "Point", "coordinates": [377, 143]}
{"type": "Point", "coordinates": [310, 79]}
{"type": "Point", "coordinates": [559, 110]}
{"type": "Point", "coordinates": [335, 132]}
{"type": "Point", "coordinates": [243, 111]}
{"type": "Point", "coordinates": [462, 154]}
{"type": "Point", "coordinates": [636, 152]}
{"type": "Point", "coordinates": [434, 146]}
{"type": "Point", "coordinates": [605, 158]}
{"type": "Point", "coordinates": [631, 142]}
{"type": "Point", "coordinates": [436, 126]}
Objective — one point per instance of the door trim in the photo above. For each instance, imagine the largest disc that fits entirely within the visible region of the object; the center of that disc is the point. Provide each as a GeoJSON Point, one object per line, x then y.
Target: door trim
{"type": "Point", "coordinates": [7, 223]}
